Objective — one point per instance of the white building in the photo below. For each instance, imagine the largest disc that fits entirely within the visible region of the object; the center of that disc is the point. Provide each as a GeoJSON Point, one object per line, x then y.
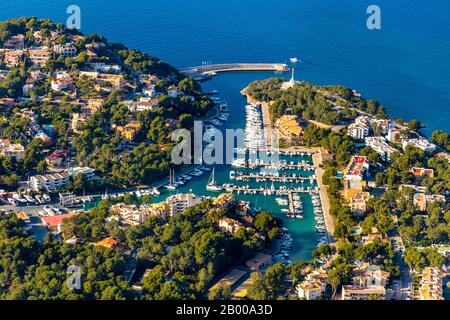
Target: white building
{"type": "Point", "coordinates": [229, 225]}
{"type": "Point", "coordinates": [358, 131]}
{"type": "Point", "coordinates": [393, 135]}
{"type": "Point", "coordinates": [310, 289]}
{"type": "Point", "coordinates": [313, 286]}
{"type": "Point", "coordinates": [61, 81]}
{"type": "Point", "coordinates": [58, 181]}
{"type": "Point", "coordinates": [65, 50]}
{"type": "Point", "coordinates": [180, 202]}
{"type": "Point", "coordinates": [103, 67]}
{"type": "Point", "coordinates": [49, 182]}
{"type": "Point", "coordinates": [380, 146]}
{"type": "Point", "coordinates": [420, 143]}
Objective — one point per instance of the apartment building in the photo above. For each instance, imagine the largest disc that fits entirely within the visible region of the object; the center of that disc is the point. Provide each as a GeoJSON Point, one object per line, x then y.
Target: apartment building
{"type": "Point", "coordinates": [431, 284]}
{"type": "Point", "coordinates": [380, 146]}
{"type": "Point", "coordinates": [12, 58]}
{"type": "Point", "coordinates": [57, 181]}
{"type": "Point", "coordinates": [65, 50]}
{"type": "Point", "coordinates": [180, 202]}
{"type": "Point", "coordinates": [39, 56]}
{"type": "Point", "coordinates": [289, 128]}
{"type": "Point", "coordinates": [8, 149]}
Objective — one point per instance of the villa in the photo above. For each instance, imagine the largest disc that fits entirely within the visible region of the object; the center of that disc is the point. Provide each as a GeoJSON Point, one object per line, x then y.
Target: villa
{"type": "Point", "coordinates": [393, 135]}
{"type": "Point", "coordinates": [421, 200]}
{"type": "Point", "coordinates": [57, 158]}
{"type": "Point", "coordinates": [116, 80]}
{"type": "Point", "coordinates": [61, 81]}
{"type": "Point", "coordinates": [103, 67]}
{"type": "Point", "coordinates": [422, 172]}
{"type": "Point", "coordinates": [313, 286]}
{"type": "Point", "coordinates": [229, 225]}
{"type": "Point", "coordinates": [132, 214]}
{"type": "Point", "coordinates": [130, 130]}
{"type": "Point", "coordinates": [358, 202]}
{"type": "Point", "coordinates": [259, 261]}
{"type": "Point", "coordinates": [16, 42]}
{"type": "Point", "coordinates": [174, 92]}
{"type": "Point", "coordinates": [367, 281]}
{"type": "Point", "coordinates": [54, 223]}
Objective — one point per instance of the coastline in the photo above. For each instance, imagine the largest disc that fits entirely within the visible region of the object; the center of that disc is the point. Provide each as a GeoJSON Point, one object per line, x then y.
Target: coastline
{"type": "Point", "coordinates": [317, 157]}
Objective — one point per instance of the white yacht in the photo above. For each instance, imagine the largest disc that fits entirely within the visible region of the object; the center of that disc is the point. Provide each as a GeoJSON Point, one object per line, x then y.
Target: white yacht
{"type": "Point", "coordinates": [212, 184]}
{"type": "Point", "coordinates": [172, 185]}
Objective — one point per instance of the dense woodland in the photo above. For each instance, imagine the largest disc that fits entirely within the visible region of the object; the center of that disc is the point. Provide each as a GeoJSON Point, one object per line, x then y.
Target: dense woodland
{"type": "Point", "coordinates": [182, 256]}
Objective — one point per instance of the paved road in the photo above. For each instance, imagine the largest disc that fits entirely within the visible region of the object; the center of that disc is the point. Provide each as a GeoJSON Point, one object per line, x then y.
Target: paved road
{"type": "Point", "coordinates": [405, 274]}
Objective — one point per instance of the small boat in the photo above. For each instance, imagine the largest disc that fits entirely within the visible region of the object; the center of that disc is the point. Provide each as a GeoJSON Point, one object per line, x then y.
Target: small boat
{"type": "Point", "coordinates": [29, 198]}
{"type": "Point", "coordinates": [13, 202]}
{"type": "Point", "coordinates": [212, 184]}
{"type": "Point", "coordinates": [46, 197]}
{"type": "Point", "coordinates": [232, 175]}
{"type": "Point", "coordinates": [212, 92]}
{"type": "Point", "coordinates": [39, 199]}
{"type": "Point", "coordinates": [294, 60]}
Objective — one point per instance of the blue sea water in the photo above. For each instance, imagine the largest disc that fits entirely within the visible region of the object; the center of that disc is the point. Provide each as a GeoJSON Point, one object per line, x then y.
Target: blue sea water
{"type": "Point", "coordinates": [405, 65]}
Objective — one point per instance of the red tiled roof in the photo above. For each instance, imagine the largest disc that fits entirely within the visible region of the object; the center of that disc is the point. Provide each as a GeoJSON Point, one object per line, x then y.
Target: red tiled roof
{"type": "Point", "coordinates": [57, 220]}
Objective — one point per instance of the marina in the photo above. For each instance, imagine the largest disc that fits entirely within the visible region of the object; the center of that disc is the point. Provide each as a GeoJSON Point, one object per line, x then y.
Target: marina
{"type": "Point", "coordinates": [286, 187]}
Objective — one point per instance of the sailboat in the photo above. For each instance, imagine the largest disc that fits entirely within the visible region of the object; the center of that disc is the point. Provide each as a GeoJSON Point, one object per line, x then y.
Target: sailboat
{"type": "Point", "coordinates": [212, 184]}
{"type": "Point", "coordinates": [171, 185]}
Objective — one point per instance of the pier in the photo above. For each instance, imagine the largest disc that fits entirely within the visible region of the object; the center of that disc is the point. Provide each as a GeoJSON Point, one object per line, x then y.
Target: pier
{"type": "Point", "coordinates": [273, 178]}
{"type": "Point", "coordinates": [207, 71]}
{"type": "Point", "coordinates": [282, 166]}
{"type": "Point", "coordinates": [291, 202]}
{"type": "Point", "coordinates": [270, 191]}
